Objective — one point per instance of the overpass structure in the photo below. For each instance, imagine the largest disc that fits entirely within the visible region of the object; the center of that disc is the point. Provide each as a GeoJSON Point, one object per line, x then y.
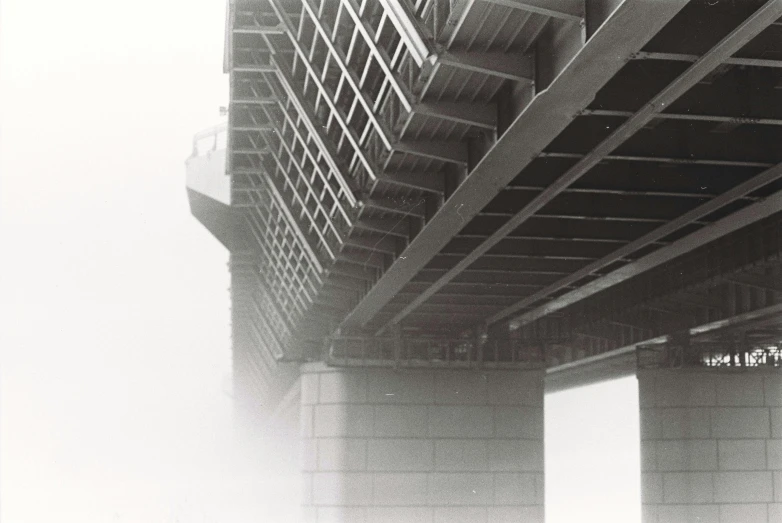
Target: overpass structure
{"type": "Point", "coordinates": [436, 209]}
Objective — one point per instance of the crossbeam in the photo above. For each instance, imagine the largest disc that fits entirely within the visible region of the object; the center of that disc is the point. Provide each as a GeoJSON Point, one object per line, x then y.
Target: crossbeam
{"type": "Point", "coordinates": [739, 120]}
{"type": "Point", "coordinates": [564, 9]}
{"type": "Point", "coordinates": [663, 160]}
{"type": "Point", "coordinates": [502, 65]}
{"type": "Point", "coordinates": [451, 152]}
{"type": "Point", "coordinates": [427, 182]}
{"type": "Point", "coordinates": [680, 57]}
{"type": "Point", "coordinates": [483, 116]}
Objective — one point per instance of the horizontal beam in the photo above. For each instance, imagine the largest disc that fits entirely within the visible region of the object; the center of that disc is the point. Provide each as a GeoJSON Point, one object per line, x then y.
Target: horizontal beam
{"type": "Point", "coordinates": [261, 100]}
{"type": "Point", "coordinates": [426, 182]}
{"type": "Point", "coordinates": [259, 30]}
{"type": "Point", "coordinates": [450, 152]}
{"type": "Point", "coordinates": [405, 207]}
{"type": "Point", "coordinates": [252, 128]}
{"type": "Point", "coordinates": [621, 192]}
{"type": "Point", "coordinates": [740, 120]}
{"type": "Point", "coordinates": [718, 229]}
{"type": "Point", "coordinates": [519, 68]}
{"type": "Point", "coordinates": [256, 150]}
{"type": "Point", "coordinates": [349, 270]}
{"type": "Point", "coordinates": [479, 294]}
{"type": "Point", "coordinates": [524, 256]}
{"type": "Point", "coordinates": [564, 9]}
{"type": "Point", "coordinates": [253, 69]}
{"type": "Point", "coordinates": [691, 299]}
{"type": "Point", "coordinates": [663, 160]}
{"type": "Point", "coordinates": [550, 216]}
{"type": "Point", "coordinates": [381, 244]}
{"type": "Point", "coordinates": [363, 258]}
{"type": "Point", "coordinates": [679, 57]}
{"type": "Point", "coordinates": [545, 238]}
{"type": "Point", "coordinates": [758, 281]}
{"type": "Point", "coordinates": [476, 114]}
{"type": "Point", "coordinates": [384, 226]}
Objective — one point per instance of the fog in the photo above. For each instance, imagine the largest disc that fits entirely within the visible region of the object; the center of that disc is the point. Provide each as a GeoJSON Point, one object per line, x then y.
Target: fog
{"type": "Point", "coordinates": [115, 366]}
{"type": "Point", "coordinates": [593, 446]}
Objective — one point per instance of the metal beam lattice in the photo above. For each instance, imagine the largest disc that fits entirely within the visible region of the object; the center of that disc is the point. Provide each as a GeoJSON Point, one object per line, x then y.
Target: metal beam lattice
{"type": "Point", "coordinates": [722, 51]}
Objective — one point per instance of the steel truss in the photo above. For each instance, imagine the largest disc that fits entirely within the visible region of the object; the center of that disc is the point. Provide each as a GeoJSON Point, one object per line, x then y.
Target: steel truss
{"type": "Point", "coordinates": [323, 99]}
{"type": "Point", "coordinates": [364, 136]}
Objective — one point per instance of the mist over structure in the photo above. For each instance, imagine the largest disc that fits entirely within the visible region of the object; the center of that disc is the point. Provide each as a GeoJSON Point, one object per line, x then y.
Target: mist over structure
{"type": "Point", "coordinates": [393, 261]}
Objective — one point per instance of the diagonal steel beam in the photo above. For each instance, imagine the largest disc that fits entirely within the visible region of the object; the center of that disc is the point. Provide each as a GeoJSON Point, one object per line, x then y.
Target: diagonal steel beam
{"type": "Point", "coordinates": [468, 113]}
{"type": "Point", "coordinates": [294, 224]}
{"type": "Point", "coordinates": [415, 36]}
{"type": "Point", "coordinates": [724, 49]}
{"type": "Point", "coordinates": [283, 266]}
{"type": "Point", "coordinates": [305, 209]}
{"type": "Point", "coordinates": [624, 33]}
{"type": "Point", "coordinates": [368, 33]}
{"type": "Point", "coordinates": [347, 131]}
{"type": "Point", "coordinates": [316, 135]}
{"type": "Point", "coordinates": [347, 73]}
{"type": "Point", "coordinates": [313, 127]}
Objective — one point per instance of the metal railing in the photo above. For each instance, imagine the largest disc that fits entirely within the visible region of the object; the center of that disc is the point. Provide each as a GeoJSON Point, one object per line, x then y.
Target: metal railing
{"type": "Point", "coordinates": [433, 351]}
{"type": "Point", "coordinates": [709, 355]}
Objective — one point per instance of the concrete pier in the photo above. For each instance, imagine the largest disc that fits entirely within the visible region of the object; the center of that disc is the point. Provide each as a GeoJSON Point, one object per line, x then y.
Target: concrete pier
{"type": "Point", "coordinates": [711, 445]}
{"type": "Point", "coordinates": [427, 446]}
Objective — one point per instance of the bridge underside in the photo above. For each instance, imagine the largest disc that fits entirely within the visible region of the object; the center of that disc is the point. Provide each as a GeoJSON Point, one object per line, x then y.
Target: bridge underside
{"type": "Point", "coordinates": [576, 180]}
{"type": "Point", "coordinates": [569, 188]}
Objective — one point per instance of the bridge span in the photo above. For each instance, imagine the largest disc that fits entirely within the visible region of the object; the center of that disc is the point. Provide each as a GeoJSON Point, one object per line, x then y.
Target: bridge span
{"type": "Point", "coordinates": [438, 209]}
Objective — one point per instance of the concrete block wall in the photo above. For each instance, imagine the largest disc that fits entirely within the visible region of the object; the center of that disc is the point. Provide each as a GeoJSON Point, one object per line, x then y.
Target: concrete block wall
{"type": "Point", "coordinates": [711, 445]}
{"type": "Point", "coordinates": [422, 446]}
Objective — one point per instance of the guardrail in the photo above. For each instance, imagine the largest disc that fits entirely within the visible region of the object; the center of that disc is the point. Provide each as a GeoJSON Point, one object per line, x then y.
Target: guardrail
{"type": "Point", "coordinates": [434, 352]}
{"type": "Point", "coordinates": [709, 354]}
{"type": "Point", "coordinates": [205, 167]}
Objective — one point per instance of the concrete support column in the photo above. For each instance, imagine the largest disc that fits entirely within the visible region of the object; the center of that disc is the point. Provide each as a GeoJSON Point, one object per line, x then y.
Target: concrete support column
{"type": "Point", "coordinates": [422, 446]}
{"type": "Point", "coordinates": [711, 445]}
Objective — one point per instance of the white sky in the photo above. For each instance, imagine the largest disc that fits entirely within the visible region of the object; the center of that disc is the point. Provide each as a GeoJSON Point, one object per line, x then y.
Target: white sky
{"type": "Point", "coordinates": [114, 338]}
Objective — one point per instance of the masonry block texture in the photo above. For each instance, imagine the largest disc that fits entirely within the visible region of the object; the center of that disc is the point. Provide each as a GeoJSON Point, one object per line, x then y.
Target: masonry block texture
{"type": "Point", "coordinates": [422, 446]}
{"type": "Point", "coordinates": [711, 445]}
